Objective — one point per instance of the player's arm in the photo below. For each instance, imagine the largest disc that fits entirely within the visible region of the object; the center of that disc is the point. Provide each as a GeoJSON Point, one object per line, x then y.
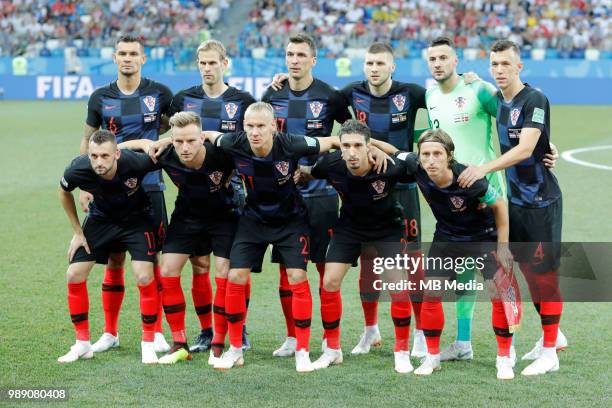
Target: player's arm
{"type": "Point", "coordinates": [137, 144]}
{"type": "Point", "coordinates": [327, 143]}
{"type": "Point", "coordinates": [278, 80]}
{"type": "Point", "coordinates": [69, 206]}
{"type": "Point", "coordinates": [500, 212]}
{"type": "Point", "coordinates": [384, 146]}
{"type": "Point", "coordinates": [212, 136]}
{"type": "Point", "coordinates": [527, 143]}
{"type": "Point", "coordinates": [84, 197]}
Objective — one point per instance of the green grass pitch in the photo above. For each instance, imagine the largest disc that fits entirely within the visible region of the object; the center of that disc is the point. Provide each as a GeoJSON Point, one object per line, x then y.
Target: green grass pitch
{"type": "Point", "coordinates": [38, 141]}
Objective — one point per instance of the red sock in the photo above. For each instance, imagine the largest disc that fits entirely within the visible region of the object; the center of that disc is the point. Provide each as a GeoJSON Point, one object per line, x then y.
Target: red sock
{"type": "Point", "coordinates": [416, 296]}
{"type": "Point", "coordinates": [416, 306]}
{"type": "Point", "coordinates": [234, 312]}
{"type": "Point", "coordinates": [113, 291]}
{"type": "Point", "coordinates": [550, 315]}
{"type": "Point", "coordinates": [500, 327]}
{"type": "Point", "coordinates": [401, 314]}
{"type": "Point", "coordinates": [219, 312]}
{"type": "Point", "coordinates": [78, 306]}
{"type": "Point", "coordinates": [174, 306]}
{"type": "Point", "coordinates": [160, 306]}
{"type": "Point", "coordinates": [432, 320]}
{"type": "Point", "coordinates": [201, 292]}
{"type": "Point", "coordinates": [247, 294]}
{"type": "Point", "coordinates": [331, 313]}
{"type": "Point", "coordinates": [149, 300]}
{"type": "Point", "coordinates": [302, 314]}
{"type": "Point", "coordinates": [286, 298]}
{"type": "Point", "coordinates": [369, 296]}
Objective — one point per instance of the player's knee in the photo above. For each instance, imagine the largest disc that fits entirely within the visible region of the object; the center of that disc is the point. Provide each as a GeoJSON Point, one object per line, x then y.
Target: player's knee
{"type": "Point", "coordinates": [331, 284]}
{"type": "Point", "coordinates": [222, 267]}
{"type": "Point", "coordinates": [200, 265]}
{"type": "Point", "coordinates": [76, 273]}
{"type": "Point", "coordinates": [238, 276]}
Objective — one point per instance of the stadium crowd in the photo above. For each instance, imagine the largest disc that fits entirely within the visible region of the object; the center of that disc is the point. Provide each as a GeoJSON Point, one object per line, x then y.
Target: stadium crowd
{"type": "Point", "coordinates": [563, 25]}
{"type": "Point", "coordinates": [28, 24]}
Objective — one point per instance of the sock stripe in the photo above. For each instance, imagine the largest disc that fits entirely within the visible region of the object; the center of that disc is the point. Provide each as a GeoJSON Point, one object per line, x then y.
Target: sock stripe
{"type": "Point", "coordinates": [302, 323]}
{"type": "Point", "coordinates": [331, 325]}
{"type": "Point", "coordinates": [285, 293]}
{"type": "Point", "coordinates": [200, 310]}
{"type": "Point", "coordinates": [402, 321]}
{"type": "Point", "coordinates": [369, 296]}
{"type": "Point", "coordinates": [79, 317]}
{"type": "Point", "coordinates": [550, 319]}
{"type": "Point", "coordinates": [112, 288]}
{"type": "Point", "coordinates": [234, 317]}
{"type": "Point", "coordinates": [179, 307]}
{"type": "Point", "coordinates": [432, 332]}
{"type": "Point", "coordinates": [220, 310]}
{"type": "Point", "coordinates": [502, 331]}
{"type": "Point", "coordinates": [149, 319]}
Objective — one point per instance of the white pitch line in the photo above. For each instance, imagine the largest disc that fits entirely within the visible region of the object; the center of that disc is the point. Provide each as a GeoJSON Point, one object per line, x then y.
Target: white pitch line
{"type": "Point", "coordinates": [569, 156]}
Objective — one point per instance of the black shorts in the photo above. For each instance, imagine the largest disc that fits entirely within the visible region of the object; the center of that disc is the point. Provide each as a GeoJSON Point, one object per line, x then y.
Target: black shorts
{"type": "Point", "coordinates": [197, 237]}
{"type": "Point", "coordinates": [411, 209]}
{"type": "Point", "coordinates": [447, 259]}
{"type": "Point", "coordinates": [160, 216]}
{"type": "Point", "coordinates": [290, 241]}
{"type": "Point", "coordinates": [535, 234]}
{"type": "Point", "coordinates": [348, 242]}
{"type": "Point", "coordinates": [103, 237]}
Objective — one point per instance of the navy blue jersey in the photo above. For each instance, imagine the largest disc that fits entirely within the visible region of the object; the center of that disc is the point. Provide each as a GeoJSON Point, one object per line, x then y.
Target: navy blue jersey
{"type": "Point", "coordinates": [115, 199]}
{"type": "Point", "coordinates": [456, 209]}
{"type": "Point", "coordinates": [310, 112]}
{"type": "Point", "coordinates": [202, 193]}
{"type": "Point", "coordinates": [367, 201]}
{"type": "Point", "coordinates": [224, 113]}
{"type": "Point", "coordinates": [530, 183]}
{"type": "Point", "coordinates": [130, 117]}
{"type": "Point", "coordinates": [272, 196]}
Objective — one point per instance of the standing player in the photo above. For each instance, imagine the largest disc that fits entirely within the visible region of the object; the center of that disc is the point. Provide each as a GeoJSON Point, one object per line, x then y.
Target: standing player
{"type": "Point", "coordinates": [221, 109]}
{"type": "Point", "coordinates": [463, 230]}
{"type": "Point", "coordinates": [131, 107]}
{"type": "Point", "coordinates": [307, 106]}
{"type": "Point", "coordinates": [364, 193]}
{"type": "Point", "coordinates": [119, 215]}
{"type": "Point", "coordinates": [535, 203]}
{"type": "Point", "coordinates": [389, 109]}
{"type": "Point", "coordinates": [274, 214]}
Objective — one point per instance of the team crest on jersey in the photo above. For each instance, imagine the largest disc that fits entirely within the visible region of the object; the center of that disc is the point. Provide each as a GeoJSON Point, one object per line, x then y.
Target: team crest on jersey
{"type": "Point", "coordinates": [316, 107]}
{"type": "Point", "coordinates": [514, 115]}
{"type": "Point", "coordinates": [457, 201]}
{"type": "Point", "coordinates": [379, 186]}
{"type": "Point", "coordinates": [399, 101]}
{"type": "Point", "coordinates": [150, 101]}
{"type": "Point", "coordinates": [131, 182]}
{"type": "Point", "coordinates": [282, 167]}
{"type": "Point", "coordinates": [216, 177]}
{"type": "Point", "coordinates": [460, 102]}
{"type": "Point", "coordinates": [231, 109]}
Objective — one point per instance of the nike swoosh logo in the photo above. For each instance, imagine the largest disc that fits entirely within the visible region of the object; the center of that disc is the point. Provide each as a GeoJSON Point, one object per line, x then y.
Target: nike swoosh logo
{"type": "Point", "coordinates": [151, 253]}
{"type": "Point", "coordinates": [190, 106]}
{"type": "Point", "coordinates": [432, 107]}
{"type": "Point", "coordinates": [109, 107]}
{"type": "Point", "coordinates": [242, 165]}
{"type": "Point", "coordinates": [359, 100]}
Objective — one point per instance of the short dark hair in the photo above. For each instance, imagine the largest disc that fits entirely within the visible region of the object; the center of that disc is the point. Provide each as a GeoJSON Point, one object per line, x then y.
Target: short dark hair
{"type": "Point", "coordinates": [442, 41]}
{"type": "Point", "coordinates": [130, 39]}
{"type": "Point", "coordinates": [379, 48]}
{"type": "Point", "coordinates": [102, 136]}
{"type": "Point", "coordinates": [353, 126]}
{"type": "Point", "coordinates": [439, 136]}
{"type": "Point", "coordinates": [304, 38]}
{"type": "Point", "coordinates": [503, 45]}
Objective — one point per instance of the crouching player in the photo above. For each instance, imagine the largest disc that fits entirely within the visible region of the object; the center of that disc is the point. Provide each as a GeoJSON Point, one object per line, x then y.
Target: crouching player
{"type": "Point", "coordinates": [204, 221]}
{"type": "Point", "coordinates": [370, 214]}
{"type": "Point", "coordinates": [119, 215]}
{"type": "Point", "coordinates": [463, 229]}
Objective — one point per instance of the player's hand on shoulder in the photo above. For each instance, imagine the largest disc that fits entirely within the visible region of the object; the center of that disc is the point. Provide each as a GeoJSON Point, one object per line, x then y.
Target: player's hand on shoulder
{"type": "Point", "coordinates": [77, 241]}
{"type": "Point", "coordinates": [469, 176]}
{"type": "Point", "coordinates": [470, 77]}
{"type": "Point", "coordinates": [504, 256]}
{"type": "Point", "coordinates": [378, 158]}
{"type": "Point", "coordinates": [277, 81]}
{"type": "Point", "coordinates": [550, 159]}
{"type": "Point", "coordinates": [84, 199]}
{"type": "Point", "coordinates": [157, 148]}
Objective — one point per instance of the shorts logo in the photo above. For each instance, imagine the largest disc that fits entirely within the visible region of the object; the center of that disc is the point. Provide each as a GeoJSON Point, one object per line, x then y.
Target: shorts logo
{"type": "Point", "coordinates": [379, 186]}
{"type": "Point", "coordinates": [514, 115]}
{"type": "Point", "coordinates": [282, 167]}
{"type": "Point", "coordinates": [190, 106]}
{"type": "Point", "coordinates": [109, 107]}
{"type": "Point", "coordinates": [316, 107]}
{"type": "Point", "coordinates": [131, 182]}
{"type": "Point", "coordinates": [64, 182]}
{"type": "Point", "coordinates": [231, 109]}
{"type": "Point", "coordinates": [216, 177]}
{"type": "Point", "coordinates": [399, 101]}
{"type": "Point", "coordinates": [460, 102]}
{"type": "Point", "coordinates": [457, 201]}
{"type": "Point", "coordinates": [150, 101]}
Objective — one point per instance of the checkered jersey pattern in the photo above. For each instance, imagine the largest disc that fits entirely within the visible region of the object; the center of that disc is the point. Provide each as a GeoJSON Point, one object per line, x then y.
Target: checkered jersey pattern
{"type": "Point", "coordinates": [531, 184]}
{"type": "Point", "coordinates": [129, 117]}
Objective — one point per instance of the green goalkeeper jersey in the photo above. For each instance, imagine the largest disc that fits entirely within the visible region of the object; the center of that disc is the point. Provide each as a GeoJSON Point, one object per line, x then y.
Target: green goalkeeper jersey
{"type": "Point", "coordinates": [465, 114]}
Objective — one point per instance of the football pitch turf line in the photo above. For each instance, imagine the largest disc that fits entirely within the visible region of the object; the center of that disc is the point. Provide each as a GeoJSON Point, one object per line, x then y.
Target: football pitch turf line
{"type": "Point", "coordinates": [36, 329]}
